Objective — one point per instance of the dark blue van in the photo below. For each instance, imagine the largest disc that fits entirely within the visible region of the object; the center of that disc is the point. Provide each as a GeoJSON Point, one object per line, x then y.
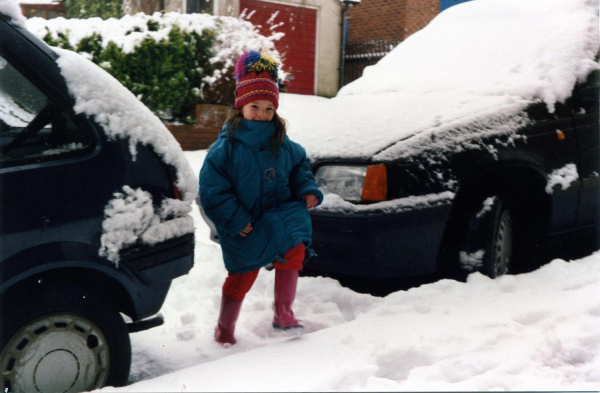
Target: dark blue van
{"type": "Point", "coordinates": [61, 299]}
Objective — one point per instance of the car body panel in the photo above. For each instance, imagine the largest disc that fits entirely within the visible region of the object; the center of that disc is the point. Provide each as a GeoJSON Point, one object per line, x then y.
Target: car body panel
{"type": "Point", "coordinates": [379, 246]}
{"type": "Point", "coordinates": [53, 210]}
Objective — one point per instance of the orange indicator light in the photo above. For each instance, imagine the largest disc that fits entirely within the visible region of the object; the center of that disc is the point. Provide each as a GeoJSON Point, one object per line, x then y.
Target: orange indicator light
{"type": "Point", "coordinates": [375, 184]}
{"type": "Point", "coordinates": [561, 135]}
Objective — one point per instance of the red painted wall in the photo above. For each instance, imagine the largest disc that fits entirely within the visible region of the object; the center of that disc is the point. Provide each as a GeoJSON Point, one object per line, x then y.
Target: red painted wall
{"type": "Point", "coordinates": [298, 45]}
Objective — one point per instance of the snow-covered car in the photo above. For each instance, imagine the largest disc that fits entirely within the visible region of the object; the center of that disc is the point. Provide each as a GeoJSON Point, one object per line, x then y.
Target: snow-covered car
{"type": "Point", "coordinates": [94, 223]}
{"type": "Point", "coordinates": [471, 143]}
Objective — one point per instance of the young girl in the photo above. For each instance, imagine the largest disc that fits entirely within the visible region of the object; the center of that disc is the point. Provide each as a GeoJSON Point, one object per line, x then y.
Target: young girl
{"type": "Point", "coordinates": [256, 186]}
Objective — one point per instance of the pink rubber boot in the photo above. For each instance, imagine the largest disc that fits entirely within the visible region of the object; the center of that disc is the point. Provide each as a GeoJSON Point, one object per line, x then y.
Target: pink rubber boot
{"type": "Point", "coordinates": [286, 282]}
{"type": "Point", "coordinates": [230, 311]}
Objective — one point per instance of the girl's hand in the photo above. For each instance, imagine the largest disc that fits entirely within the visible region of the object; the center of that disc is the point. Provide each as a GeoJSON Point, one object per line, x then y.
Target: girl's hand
{"type": "Point", "coordinates": [311, 200]}
{"type": "Point", "coordinates": [246, 230]}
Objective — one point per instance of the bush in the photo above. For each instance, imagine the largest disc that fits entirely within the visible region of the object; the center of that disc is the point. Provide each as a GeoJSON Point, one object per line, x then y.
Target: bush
{"type": "Point", "coordinates": [93, 8]}
{"type": "Point", "coordinates": [164, 74]}
{"type": "Point", "coordinates": [169, 61]}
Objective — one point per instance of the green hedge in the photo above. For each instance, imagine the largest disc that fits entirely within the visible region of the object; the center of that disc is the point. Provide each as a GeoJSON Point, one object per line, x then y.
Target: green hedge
{"type": "Point", "coordinates": [90, 8]}
{"type": "Point", "coordinates": [165, 75]}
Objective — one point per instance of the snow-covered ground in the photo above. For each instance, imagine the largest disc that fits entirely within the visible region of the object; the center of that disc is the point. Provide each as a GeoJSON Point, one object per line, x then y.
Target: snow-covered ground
{"type": "Point", "coordinates": [535, 331]}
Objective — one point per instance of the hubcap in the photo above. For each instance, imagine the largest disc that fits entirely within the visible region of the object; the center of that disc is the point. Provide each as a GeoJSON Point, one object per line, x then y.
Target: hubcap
{"type": "Point", "coordinates": [55, 353]}
{"type": "Point", "coordinates": [503, 245]}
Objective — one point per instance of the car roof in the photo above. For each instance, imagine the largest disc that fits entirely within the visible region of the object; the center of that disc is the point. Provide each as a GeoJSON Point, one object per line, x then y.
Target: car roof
{"type": "Point", "coordinates": [477, 66]}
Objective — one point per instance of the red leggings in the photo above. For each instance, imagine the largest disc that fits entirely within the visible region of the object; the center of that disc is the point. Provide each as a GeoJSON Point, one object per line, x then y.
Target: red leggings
{"type": "Point", "coordinates": [236, 286]}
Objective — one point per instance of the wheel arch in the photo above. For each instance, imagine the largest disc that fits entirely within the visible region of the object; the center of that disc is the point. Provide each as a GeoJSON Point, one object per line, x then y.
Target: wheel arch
{"type": "Point", "coordinates": [522, 185]}
{"type": "Point", "coordinates": [100, 281]}
{"type": "Point", "coordinates": [505, 180]}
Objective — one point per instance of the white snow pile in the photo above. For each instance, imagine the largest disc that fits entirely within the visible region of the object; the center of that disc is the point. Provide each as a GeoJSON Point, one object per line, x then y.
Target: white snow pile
{"type": "Point", "coordinates": [531, 332]}
{"type": "Point", "coordinates": [563, 177]}
{"type": "Point", "coordinates": [11, 9]}
{"type": "Point", "coordinates": [478, 63]}
{"type": "Point", "coordinates": [233, 36]}
{"type": "Point", "coordinates": [488, 203]}
{"type": "Point", "coordinates": [471, 261]}
{"type": "Point", "coordinates": [130, 216]}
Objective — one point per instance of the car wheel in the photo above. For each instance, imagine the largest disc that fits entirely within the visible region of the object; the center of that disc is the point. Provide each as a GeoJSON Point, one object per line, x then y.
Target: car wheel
{"type": "Point", "coordinates": [66, 347]}
{"type": "Point", "coordinates": [487, 244]}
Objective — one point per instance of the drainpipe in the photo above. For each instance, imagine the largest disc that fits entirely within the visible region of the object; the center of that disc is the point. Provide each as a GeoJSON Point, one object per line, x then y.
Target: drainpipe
{"type": "Point", "coordinates": [346, 4]}
{"type": "Point", "coordinates": [342, 45]}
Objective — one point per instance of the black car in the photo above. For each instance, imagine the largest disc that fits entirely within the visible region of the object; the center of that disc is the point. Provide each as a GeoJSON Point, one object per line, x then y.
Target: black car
{"type": "Point", "coordinates": [62, 291]}
{"type": "Point", "coordinates": [491, 207]}
{"type": "Point", "coordinates": [472, 146]}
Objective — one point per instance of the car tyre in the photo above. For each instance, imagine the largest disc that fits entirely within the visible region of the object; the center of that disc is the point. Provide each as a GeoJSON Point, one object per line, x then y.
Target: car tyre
{"type": "Point", "coordinates": [487, 244]}
{"type": "Point", "coordinates": [63, 343]}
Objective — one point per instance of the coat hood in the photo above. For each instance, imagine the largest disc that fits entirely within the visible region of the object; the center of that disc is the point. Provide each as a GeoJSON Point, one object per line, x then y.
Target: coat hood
{"type": "Point", "coordinates": [255, 134]}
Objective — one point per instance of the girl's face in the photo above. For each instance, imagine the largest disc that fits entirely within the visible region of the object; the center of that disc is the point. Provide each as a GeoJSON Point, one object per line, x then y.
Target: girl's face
{"type": "Point", "coordinates": [260, 110]}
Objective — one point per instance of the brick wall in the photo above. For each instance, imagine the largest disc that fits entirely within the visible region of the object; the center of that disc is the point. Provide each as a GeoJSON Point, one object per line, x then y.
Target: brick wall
{"type": "Point", "coordinates": [418, 14]}
{"type": "Point", "coordinates": [376, 20]}
{"type": "Point", "coordinates": [389, 19]}
{"type": "Point", "coordinates": [209, 121]}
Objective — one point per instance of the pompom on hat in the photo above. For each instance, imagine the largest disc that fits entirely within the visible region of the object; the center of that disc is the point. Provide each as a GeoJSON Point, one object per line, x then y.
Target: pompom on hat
{"type": "Point", "coordinates": [256, 79]}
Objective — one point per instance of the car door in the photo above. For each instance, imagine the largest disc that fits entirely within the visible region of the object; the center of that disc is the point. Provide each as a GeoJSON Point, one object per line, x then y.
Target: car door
{"type": "Point", "coordinates": [551, 145]}
{"type": "Point", "coordinates": [588, 137]}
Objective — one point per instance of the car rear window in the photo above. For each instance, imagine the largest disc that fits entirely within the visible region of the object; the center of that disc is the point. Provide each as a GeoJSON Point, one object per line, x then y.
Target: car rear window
{"type": "Point", "coordinates": [32, 127]}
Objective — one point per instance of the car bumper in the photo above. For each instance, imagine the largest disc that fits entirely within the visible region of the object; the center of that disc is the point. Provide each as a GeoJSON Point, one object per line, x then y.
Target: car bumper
{"type": "Point", "coordinates": [155, 267]}
{"type": "Point", "coordinates": [388, 245]}
{"type": "Point", "coordinates": [162, 262]}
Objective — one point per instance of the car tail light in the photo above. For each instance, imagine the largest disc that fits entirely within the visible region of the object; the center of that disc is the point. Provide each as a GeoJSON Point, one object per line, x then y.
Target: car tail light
{"type": "Point", "coordinates": [375, 184]}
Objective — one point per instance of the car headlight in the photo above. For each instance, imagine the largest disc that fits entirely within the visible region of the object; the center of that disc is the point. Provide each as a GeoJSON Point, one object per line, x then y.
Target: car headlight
{"type": "Point", "coordinates": [354, 183]}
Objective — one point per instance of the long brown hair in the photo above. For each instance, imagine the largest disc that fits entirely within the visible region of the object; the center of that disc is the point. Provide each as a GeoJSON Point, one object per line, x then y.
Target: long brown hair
{"type": "Point", "coordinates": [235, 116]}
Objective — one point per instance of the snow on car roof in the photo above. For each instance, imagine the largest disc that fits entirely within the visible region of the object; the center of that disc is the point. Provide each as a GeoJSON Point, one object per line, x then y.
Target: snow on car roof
{"type": "Point", "coordinates": [122, 115]}
{"type": "Point", "coordinates": [482, 61]}
{"type": "Point", "coordinates": [11, 9]}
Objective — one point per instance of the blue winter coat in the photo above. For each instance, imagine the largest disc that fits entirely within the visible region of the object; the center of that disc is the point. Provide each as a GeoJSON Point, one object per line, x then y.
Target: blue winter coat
{"type": "Point", "coordinates": [242, 181]}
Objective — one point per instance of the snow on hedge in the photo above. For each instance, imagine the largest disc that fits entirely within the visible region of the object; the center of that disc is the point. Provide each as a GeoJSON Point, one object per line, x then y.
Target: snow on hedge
{"type": "Point", "coordinates": [11, 9]}
{"type": "Point", "coordinates": [480, 62]}
{"type": "Point", "coordinates": [233, 36]}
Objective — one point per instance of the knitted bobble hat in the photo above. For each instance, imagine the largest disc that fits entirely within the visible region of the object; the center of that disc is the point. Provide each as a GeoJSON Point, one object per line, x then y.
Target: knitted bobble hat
{"type": "Point", "coordinates": [256, 79]}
